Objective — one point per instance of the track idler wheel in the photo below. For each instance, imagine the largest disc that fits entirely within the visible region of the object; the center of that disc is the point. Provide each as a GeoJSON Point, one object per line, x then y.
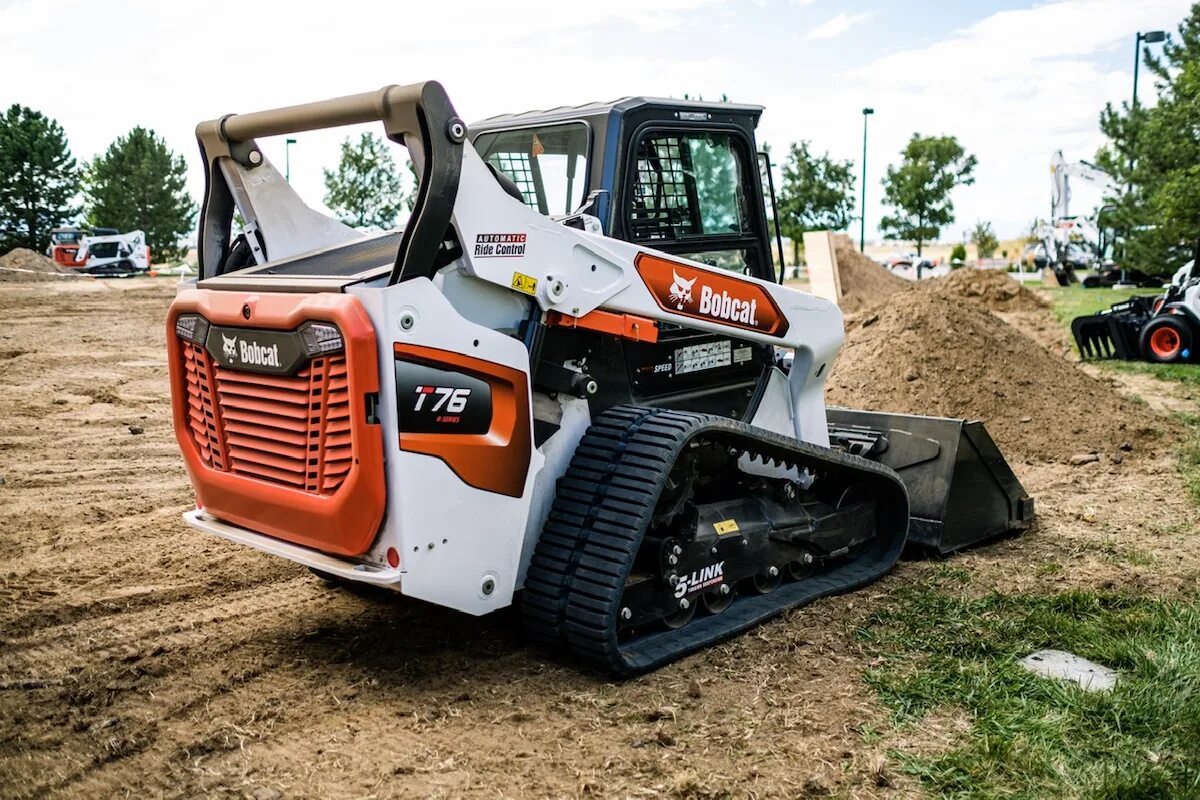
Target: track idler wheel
{"type": "Point", "coordinates": [717, 600]}
{"type": "Point", "coordinates": [767, 582]}
{"type": "Point", "coordinates": [803, 568]}
{"type": "Point", "coordinates": [683, 616]}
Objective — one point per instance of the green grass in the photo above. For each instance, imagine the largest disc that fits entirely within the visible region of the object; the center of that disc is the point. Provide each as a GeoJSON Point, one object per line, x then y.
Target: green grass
{"type": "Point", "coordinates": [1189, 455]}
{"type": "Point", "coordinates": [1030, 737]}
{"type": "Point", "coordinates": [939, 654]}
{"type": "Point", "coordinates": [1074, 301]}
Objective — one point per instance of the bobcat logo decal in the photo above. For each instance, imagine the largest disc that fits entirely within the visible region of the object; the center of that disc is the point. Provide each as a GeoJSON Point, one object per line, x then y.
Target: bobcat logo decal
{"type": "Point", "coordinates": [229, 346]}
{"type": "Point", "coordinates": [681, 291]}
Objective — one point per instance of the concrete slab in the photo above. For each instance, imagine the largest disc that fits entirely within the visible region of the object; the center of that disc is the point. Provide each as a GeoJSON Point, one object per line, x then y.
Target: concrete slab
{"type": "Point", "coordinates": [1063, 666]}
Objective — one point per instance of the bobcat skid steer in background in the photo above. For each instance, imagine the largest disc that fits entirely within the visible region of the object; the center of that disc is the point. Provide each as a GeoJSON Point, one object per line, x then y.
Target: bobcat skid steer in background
{"type": "Point", "coordinates": [1161, 328]}
{"type": "Point", "coordinates": [101, 251]}
{"type": "Point", "coordinates": [496, 400]}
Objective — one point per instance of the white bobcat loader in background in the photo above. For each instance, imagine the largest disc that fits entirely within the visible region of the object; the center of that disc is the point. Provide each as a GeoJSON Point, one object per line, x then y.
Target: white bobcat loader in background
{"type": "Point", "coordinates": [494, 401]}
{"type": "Point", "coordinates": [100, 251]}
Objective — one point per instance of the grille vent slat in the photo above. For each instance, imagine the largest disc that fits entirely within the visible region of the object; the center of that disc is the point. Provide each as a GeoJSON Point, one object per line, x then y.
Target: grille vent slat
{"type": "Point", "coordinates": [266, 426]}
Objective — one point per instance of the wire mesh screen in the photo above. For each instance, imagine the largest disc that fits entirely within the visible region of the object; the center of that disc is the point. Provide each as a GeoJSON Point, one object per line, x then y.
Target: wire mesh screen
{"type": "Point", "coordinates": [517, 166]}
{"type": "Point", "coordinates": [663, 205]}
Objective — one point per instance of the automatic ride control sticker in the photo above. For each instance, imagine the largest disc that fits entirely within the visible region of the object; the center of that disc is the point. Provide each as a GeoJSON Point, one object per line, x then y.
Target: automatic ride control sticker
{"type": "Point", "coordinates": [499, 245]}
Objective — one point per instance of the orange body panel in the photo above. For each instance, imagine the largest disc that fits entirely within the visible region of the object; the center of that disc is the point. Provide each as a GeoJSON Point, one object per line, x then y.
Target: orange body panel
{"type": "Point", "coordinates": [289, 456]}
{"type": "Point", "coordinates": [628, 326]}
{"type": "Point", "coordinates": [65, 256]}
{"type": "Point", "coordinates": [496, 461]}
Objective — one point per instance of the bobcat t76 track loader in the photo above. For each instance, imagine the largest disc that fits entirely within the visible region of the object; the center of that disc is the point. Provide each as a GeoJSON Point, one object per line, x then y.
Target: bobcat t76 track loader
{"type": "Point", "coordinates": [629, 430]}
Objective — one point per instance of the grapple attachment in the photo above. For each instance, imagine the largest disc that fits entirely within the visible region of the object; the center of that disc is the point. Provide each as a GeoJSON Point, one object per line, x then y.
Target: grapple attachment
{"type": "Point", "coordinates": [1113, 333]}
{"type": "Point", "coordinates": [961, 490]}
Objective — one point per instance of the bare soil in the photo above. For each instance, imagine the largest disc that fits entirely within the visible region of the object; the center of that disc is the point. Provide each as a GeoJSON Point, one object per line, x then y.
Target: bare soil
{"type": "Point", "coordinates": [140, 658]}
{"type": "Point", "coordinates": [25, 266]}
{"type": "Point", "coordinates": [864, 282]}
{"type": "Point", "coordinates": [929, 352]}
{"type": "Point", "coordinates": [994, 290]}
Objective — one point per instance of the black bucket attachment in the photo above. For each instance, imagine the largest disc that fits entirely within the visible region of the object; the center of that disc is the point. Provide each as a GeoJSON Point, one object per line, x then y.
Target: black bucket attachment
{"type": "Point", "coordinates": [1113, 333]}
{"type": "Point", "coordinates": [961, 490]}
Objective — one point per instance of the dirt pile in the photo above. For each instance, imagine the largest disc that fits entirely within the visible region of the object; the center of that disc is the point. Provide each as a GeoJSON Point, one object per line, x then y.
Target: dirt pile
{"type": "Point", "coordinates": [994, 290]}
{"type": "Point", "coordinates": [925, 353]}
{"type": "Point", "coordinates": [864, 283]}
{"type": "Point", "coordinates": [22, 265]}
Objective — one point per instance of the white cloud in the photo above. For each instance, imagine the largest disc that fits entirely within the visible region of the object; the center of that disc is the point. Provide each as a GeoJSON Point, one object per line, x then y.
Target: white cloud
{"type": "Point", "coordinates": [1013, 87]}
{"type": "Point", "coordinates": [840, 24]}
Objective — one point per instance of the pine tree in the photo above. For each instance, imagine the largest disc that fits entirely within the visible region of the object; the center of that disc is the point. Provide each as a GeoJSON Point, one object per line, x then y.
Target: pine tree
{"type": "Point", "coordinates": [366, 191]}
{"type": "Point", "coordinates": [139, 184]}
{"type": "Point", "coordinates": [1153, 154]}
{"type": "Point", "coordinates": [38, 179]}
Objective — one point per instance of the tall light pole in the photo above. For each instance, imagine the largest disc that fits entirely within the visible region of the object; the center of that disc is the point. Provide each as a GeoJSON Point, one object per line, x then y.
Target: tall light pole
{"type": "Point", "coordinates": [287, 159]}
{"type": "Point", "coordinates": [862, 229]}
{"type": "Point", "coordinates": [1149, 37]}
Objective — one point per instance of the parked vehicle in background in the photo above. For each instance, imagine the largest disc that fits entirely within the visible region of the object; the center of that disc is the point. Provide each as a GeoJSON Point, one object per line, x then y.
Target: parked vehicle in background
{"type": "Point", "coordinates": [64, 244]}
{"type": "Point", "coordinates": [100, 251]}
{"type": "Point", "coordinates": [1157, 328]}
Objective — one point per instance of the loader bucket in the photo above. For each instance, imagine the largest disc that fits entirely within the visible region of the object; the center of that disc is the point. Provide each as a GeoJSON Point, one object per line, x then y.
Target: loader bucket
{"type": "Point", "coordinates": [961, 490]}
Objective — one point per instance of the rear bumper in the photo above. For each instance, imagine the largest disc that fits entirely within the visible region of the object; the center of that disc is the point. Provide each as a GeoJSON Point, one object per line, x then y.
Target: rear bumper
{"type": "Point", "coordinates": [338, 567]}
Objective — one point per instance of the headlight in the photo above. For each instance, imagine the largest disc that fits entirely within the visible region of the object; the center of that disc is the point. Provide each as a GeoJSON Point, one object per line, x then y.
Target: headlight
{"type": "Point", "coordinates": [192, 327]}
{"type": "Point", "coordinates": [320, 338]}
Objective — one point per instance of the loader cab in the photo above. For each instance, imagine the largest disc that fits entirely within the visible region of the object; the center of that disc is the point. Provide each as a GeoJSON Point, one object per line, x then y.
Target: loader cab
{"type": "Point", "coordinates": [679, 176]}
{"type": "Point", "coordinates": [682, 177]}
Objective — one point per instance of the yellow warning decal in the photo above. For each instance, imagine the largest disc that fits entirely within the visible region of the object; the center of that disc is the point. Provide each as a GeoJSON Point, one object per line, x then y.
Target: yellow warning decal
{"type": "Point", "coordinates": [524, 283]}
{"type": "Point", "coordinates": [726, 526]}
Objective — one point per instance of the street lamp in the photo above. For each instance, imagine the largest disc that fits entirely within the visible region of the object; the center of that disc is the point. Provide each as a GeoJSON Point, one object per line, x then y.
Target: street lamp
{"type": "Point", "coordinates": [1150, 37]}
{"type": "Point", "coordinates": [287, 159]}
{"type": "Point", "coordinates": [862, 230]}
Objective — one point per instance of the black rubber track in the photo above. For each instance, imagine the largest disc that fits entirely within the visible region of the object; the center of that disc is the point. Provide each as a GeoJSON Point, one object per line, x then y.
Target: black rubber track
{"type": "Point", "coordinates": [604, 503]}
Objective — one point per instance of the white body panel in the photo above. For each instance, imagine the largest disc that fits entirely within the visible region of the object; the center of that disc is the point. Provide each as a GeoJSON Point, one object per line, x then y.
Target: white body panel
{"type": "Point", "coordinates": [451, 537]}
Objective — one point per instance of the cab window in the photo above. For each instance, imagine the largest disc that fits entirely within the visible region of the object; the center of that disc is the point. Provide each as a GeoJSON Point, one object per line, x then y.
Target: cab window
{"type": "Point", "coordinates": [687, 185]}
{"type": "Point", "coordinates": [548, 164]}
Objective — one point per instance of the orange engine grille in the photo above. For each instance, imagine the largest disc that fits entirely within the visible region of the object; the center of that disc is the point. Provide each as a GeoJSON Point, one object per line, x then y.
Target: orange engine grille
{"type": "Point", "coordinates": [291, 430]}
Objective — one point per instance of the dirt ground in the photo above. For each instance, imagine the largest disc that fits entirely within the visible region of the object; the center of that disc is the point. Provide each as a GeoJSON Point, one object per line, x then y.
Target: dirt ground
{"type": "Point", "coordinates": [140, 658]}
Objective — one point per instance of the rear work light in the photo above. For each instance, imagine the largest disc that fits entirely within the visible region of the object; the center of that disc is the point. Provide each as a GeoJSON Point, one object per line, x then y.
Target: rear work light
{"type": "Point", "coordinates": [192, 327]}
{"type": "Point", "coordinates": [320, 338]}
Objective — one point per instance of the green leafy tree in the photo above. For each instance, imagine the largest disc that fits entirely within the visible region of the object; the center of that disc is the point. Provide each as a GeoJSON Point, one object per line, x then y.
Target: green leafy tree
{"type": "Point", "coordinates": [140, 184]}
{"type": "Point", "coordinates": [366, 191]}
{"type": "Point", "coordinates": [1153, 154]}
{"type": "Point", "coordinates": [816, 194]}
{"type": "Point", "coordinates": [958, 254]}
{"type": "Point", "coordinates": [984, 239]}
{"type": "Point", "coordinates": [38, 178]}
{"type": "Point", "coordinates": [918, 191]}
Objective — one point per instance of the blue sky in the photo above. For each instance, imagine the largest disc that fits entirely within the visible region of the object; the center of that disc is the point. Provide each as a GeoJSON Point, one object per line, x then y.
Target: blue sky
{"type": "Point", "coordinates": [1014, 81]}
